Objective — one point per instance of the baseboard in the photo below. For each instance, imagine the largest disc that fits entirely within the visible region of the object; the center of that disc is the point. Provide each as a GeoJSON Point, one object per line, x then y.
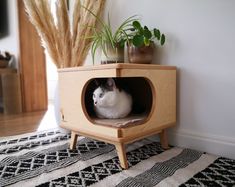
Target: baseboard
{"type": "Point", "coordinates": [218, 145]}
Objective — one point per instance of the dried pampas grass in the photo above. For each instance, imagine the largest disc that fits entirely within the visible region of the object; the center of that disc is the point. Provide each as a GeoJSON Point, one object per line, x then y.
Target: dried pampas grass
{"type": "Point", "coordinates": [65, 42]}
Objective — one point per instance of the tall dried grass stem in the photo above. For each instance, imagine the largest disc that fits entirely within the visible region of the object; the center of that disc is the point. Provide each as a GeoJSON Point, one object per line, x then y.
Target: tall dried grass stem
{"type": "Point", "coordinates": [65, 42]}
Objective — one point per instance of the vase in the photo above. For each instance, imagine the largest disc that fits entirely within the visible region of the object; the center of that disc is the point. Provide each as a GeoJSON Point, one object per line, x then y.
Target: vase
{"type": "Point", "coordinates": [113, 55]}
{"type": "Point", "coordinates": [140, 55]}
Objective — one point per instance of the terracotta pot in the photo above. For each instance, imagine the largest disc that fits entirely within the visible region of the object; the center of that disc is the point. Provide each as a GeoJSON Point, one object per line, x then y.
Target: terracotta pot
{"type": "Point", "coordinates": [114, 55]}
{"type": "Point", "coordinates": [140, 55]}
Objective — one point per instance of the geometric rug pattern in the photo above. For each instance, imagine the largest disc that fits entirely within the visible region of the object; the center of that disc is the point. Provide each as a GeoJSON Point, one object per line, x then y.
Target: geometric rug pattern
{"type": "Point", "coordinates": [220, 173]}
{"type": "Point", "coordinates": [97, 172]}
{"type": "Point", "coordinates": [44, 159]}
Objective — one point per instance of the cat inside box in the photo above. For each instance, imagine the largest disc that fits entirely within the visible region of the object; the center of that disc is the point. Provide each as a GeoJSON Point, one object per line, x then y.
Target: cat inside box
{"type": "Point", "coordinates": [114, 98]}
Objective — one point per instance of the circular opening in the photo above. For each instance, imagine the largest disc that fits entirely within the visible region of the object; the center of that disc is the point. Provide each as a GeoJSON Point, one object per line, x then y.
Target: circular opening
{"type": "Point", "coordinates": [142, 100]}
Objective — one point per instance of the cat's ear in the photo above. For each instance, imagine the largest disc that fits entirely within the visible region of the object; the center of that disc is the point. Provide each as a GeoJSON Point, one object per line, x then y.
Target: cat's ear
{"type": "Point", "coordinates": [111, 83]}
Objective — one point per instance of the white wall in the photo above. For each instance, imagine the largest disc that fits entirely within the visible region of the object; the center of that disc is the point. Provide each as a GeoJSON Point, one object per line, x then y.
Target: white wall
{"type": "Point", "coordinates": [10, 43]}
{"type": "Point", "coordinates": [200, 42]}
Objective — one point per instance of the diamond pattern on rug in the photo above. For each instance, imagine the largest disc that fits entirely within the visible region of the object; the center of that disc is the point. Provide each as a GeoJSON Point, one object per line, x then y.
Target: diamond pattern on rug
{"type": "Point", "coordinates": [44, 161]}
{"type": "Point", "coordinates": [220, 173]}
{"type": "Point", "coordinates": [32, 137]}
{"type": "Point", "coordinates": [97, 172]}
{"type": "Point", "coordinates": [34, 144]}
{"type": "Point", "coordinates": [162, 170]}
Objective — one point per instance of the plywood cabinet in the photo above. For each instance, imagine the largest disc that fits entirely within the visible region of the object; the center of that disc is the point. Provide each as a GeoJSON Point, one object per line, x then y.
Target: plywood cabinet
{"type": "Point", "coordinates": [153, 83]}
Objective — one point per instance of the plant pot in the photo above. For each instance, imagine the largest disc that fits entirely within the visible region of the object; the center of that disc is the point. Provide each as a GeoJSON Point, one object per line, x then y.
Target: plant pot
{"type": "Point", "coordinates": [140, 55]}
{"type": "Point", "coordinates": [3, 63]}
{"type": "Point", "coordinates": [113, 55]}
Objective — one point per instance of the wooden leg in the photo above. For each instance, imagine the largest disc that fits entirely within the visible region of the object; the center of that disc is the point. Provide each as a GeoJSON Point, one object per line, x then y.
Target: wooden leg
{"type": "Point", "coordinates": [164, 139]}
{"type": "Point", "coordinates": [120, 147]}
{"type": "Point", "coordinates": [73, 141]}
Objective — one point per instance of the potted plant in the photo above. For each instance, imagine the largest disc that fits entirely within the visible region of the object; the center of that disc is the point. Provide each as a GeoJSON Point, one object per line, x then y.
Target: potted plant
{"type": "Point", "coordinates": [5, 59]}
{"type": "Point", "coordinates": [110, 42]}
{"type": "Point", "coordinates": [140, 43]}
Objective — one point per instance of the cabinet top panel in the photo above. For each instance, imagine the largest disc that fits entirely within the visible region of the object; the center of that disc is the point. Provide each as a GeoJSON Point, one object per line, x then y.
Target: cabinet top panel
{"type": "Point", "coordinates": [118, 66]}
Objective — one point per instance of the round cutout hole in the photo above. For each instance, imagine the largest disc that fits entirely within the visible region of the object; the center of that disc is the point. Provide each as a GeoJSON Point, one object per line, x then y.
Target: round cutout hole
{"type": "Point", "coordinates": [138, 87]}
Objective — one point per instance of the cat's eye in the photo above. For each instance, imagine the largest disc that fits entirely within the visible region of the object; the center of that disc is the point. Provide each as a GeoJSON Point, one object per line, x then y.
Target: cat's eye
{"type": "Point", "coordinates": [101, 95]}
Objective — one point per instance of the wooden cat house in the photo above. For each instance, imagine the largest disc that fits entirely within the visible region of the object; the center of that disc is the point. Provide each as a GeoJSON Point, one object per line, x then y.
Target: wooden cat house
{"type": "Point", "coordinates": [153, 88]}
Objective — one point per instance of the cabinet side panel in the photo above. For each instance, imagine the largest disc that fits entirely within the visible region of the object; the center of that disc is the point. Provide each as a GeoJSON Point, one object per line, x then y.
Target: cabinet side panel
{"type": "Point", "coordinates": [163, 114]}
{"type": "Point", "coordinates": [71, 88]}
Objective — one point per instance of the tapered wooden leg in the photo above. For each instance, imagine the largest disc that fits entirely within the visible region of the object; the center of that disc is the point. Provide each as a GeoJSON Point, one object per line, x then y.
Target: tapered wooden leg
{"type": "Point", "coordinates": [73, 141]}
{"type": "Point", "coordinates": [164, 139]}
{"type": "Point", "coordinates": [120, 147]}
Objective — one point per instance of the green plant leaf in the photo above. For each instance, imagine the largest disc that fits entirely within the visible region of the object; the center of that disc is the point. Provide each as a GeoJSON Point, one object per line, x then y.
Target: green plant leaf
{"type": "Point", "coordinates": [147, 33]}
{"type": "Point", "coordinates": [106, 30]}
{"type": "Point", "coordinates": [138, 40]}
{"type": "Point", "coordinates": [136, 24]}
{"type": "Point", "coordinates": [109, 24]}
{"type": "Point", "coordinates": [94, 47]}
{"type": "Point", "coordinates": [125, 37]}
{"type": "Point", "coordinates": [146, 42]}
{"type": "Point", "coordinates": [121, 43]}
{"type": "Point", "coordinates": [125, 26]}
{"type": "Point", "coordinates": [163, 39]}
{"type": "Point", "coordinates": [157, 33]}
{"type": "Point", "coordinates": [103, 45]}
{"type": "Point", "coordinates": [141, 31]}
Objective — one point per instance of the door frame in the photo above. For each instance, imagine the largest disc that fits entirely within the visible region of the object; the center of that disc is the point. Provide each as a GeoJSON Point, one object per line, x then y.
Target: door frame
{"type": "Point", "coordinates": [32, 65]}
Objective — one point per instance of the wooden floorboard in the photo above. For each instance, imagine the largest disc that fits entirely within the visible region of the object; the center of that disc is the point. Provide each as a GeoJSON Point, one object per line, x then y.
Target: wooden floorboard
{"type": "Point", "coordinates": [27, 122]}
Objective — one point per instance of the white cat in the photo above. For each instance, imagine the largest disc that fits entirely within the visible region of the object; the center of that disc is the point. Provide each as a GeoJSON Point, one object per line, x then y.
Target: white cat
{"type": "Point", "coordinates": [110, 102]}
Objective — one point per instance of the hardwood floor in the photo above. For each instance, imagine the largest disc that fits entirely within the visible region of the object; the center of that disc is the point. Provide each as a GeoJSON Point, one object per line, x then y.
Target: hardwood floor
{"type": "Point", "coordinates": [27, 122]}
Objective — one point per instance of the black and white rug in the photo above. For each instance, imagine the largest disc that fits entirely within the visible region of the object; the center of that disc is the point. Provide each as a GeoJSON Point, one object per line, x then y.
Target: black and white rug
{"type": "Point", "coordinates": [44, 159]}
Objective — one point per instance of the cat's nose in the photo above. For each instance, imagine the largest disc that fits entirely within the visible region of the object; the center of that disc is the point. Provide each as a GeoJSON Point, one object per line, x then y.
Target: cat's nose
{"type": "Point", "coordinates": [95, 102]}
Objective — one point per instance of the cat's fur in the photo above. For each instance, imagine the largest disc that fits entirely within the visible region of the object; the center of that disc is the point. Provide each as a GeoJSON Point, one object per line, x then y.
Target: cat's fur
{"type": "Point", "coordinates": [111, 102]}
